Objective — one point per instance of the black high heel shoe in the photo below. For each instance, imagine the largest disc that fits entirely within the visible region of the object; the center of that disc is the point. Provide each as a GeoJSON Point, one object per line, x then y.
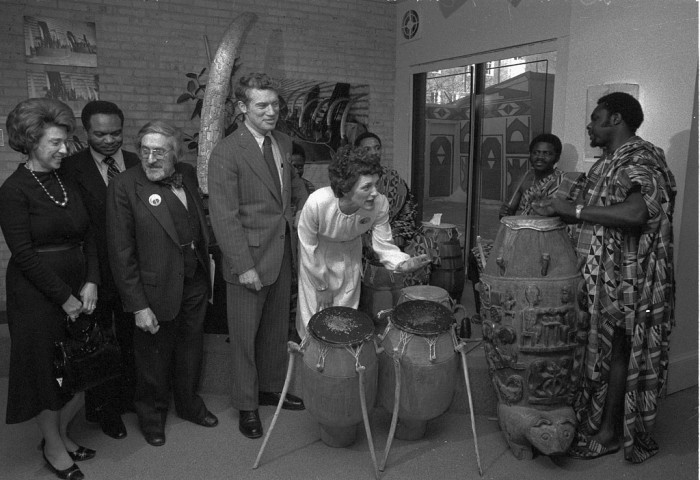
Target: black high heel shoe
{"type": "Point", "coordinates": [70, 473]}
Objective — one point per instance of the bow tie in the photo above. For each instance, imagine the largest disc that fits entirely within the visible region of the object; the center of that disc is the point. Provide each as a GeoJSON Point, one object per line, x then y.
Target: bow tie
{"type": "Point", "coordinates": [174, 180]}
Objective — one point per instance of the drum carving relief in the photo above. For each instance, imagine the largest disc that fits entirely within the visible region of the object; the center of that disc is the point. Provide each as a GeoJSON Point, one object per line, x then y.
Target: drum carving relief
{"type": "Point", "coordinates": [533, 325]}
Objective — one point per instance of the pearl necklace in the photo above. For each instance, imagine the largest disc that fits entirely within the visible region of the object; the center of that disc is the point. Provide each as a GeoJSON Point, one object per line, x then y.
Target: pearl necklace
{"type": "Point", "coordinates": [65, 194]}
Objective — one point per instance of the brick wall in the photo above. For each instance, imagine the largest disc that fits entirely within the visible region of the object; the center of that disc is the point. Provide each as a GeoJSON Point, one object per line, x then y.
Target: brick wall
{"type": "Point", "coordinates": [145, 47]}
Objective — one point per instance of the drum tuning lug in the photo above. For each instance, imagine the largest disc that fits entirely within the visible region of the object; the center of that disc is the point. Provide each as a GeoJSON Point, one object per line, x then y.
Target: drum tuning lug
{"type": "Point", "coordinates": [545, 263]}
{"type": "Point", "coordinates": [501, 262]}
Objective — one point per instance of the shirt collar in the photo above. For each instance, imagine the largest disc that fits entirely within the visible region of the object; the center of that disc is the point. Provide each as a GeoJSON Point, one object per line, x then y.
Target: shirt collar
{"type": "Point", "coordinates": [118, 157]}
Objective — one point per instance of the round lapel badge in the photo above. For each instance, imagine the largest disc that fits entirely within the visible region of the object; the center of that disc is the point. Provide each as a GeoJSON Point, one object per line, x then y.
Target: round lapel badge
{"type": "Point", "coordinates": [364, 220]}
{"type": "Point", "coordinates": [154, 199]}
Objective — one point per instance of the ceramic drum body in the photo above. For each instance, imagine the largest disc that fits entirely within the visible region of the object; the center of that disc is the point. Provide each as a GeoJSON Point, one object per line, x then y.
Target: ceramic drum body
{"type": "Point", "coordinates": [534, 332]}
{"type": "Point", "coordinates": [420, 337]}
{"type": "Point", "coordinates": [337, 342]}
{"type": "Point", "coordinates": [447, 270]}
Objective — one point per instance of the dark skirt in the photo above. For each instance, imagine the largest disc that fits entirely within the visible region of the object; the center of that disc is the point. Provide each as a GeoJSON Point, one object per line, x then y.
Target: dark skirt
{"type": "Point", "coordinates": [35, 324]}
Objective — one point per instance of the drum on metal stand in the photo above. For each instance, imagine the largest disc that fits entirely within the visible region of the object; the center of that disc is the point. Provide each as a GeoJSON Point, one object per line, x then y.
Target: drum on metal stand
{"type": "Point", "coordinates": [447, 270]}
{"type": "Point", "coordinates": [338, 342]}
{"type": "Point", "coordinates": [419, 350]}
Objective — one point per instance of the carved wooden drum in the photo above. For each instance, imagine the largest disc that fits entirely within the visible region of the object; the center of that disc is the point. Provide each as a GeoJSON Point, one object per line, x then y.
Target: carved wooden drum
{"type": "Point", "coordinates": [447, 270]}
{"type": "Point", "coordinates": [420, 337]}
{"type": "Point", "coordinates": [337, 343]}
{"type": "Point", "coordinates": [534, 331]}
{"type": "Point", "coordinates": [380, 288]}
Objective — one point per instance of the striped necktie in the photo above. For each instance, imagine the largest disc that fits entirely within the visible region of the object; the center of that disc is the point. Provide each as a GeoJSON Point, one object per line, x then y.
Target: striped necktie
{"type": "Point", "coordinates": [112, 170]}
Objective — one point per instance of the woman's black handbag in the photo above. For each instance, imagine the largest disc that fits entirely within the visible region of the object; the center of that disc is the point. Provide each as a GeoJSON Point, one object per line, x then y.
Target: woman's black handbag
{"type": "Point", "coordinates": [87, 357]}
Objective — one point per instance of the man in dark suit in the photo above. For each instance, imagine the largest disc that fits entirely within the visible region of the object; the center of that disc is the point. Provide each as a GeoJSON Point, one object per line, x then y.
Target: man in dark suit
{"type": "Point", "coordinates": [252, 187]}
{"type": "Point", "coordinates": [158, 249]}
{"type": "Point", "coordinates": [92, 169]}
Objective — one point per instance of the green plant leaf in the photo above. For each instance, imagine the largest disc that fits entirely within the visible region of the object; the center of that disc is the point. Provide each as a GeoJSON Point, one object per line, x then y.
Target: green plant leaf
{"type": "Point", "coordinates": [202, 72]}
{"type": "Point", "coordinates": [191, 86]}
{"type": "Point", "coordinates": [184, 97]}
{"type": "Point", "coordinates": [191, 75]}
{"type": "Point", "coordinates": [192, 145]}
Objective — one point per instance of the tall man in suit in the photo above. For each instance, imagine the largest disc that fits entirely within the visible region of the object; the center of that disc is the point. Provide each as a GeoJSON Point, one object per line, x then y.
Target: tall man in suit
{"type": "Point", "coordinates": [93, 168]}
{"type": "Point", "coordinates": [158, 249]}
{"type": "Point", "coordinates": [252, 187]}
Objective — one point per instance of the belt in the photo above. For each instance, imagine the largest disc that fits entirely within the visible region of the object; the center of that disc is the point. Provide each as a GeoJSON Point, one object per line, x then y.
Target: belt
{"type": "Point", "coordinates": [58, 248]}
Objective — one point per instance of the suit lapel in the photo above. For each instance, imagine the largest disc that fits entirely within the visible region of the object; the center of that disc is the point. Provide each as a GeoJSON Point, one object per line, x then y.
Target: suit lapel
{"type": "Point", "coordinates": [150, 194]}
{"type": "Point", "coordinates": [254, 158]}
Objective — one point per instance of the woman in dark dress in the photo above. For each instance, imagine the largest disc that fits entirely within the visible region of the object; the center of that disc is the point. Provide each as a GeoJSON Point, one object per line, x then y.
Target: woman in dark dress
{"type": "Point", "coordinates": [52, 274]}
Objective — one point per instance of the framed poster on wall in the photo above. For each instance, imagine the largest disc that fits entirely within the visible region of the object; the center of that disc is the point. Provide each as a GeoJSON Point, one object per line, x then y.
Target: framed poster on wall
{"type": "Point", "coordinates": [58, 41]}
{"type": "Point", "coordinates": [73, 89]}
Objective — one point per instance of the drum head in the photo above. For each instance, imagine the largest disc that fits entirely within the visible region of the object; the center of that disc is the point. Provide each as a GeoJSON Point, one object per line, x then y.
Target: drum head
{"type": "Point", "coordinates": [422, 317]}
{"type": "Point", "coordinates": [341, 326]}
{"type": "Point", "coordinates": [441, 226]}
{"type": "Point", "coordinates": [425, 292]}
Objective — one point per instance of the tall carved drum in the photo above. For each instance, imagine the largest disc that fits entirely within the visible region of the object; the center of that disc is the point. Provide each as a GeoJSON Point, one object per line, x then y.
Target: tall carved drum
{"type": "Point", "coordinates": [337, 343]}
{"type": "Point", "coordinates": [534, 332]}
{"type": "Point", "coordinates": [419, 336]}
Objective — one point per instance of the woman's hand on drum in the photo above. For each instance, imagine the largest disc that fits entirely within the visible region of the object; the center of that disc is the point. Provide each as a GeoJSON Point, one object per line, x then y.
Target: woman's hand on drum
{"type": "Point", "coordinates": [72, 307]}
{"type": "Point", "coordinates": [413, 263]}
{"type": "Point", "coordinates": [88, 294]}
{"type": "Point", "coordinates": [324, 299]}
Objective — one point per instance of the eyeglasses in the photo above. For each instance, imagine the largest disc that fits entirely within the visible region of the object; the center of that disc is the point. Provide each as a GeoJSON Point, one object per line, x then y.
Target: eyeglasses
{"type": "Point", "coordinates": [158, 153]}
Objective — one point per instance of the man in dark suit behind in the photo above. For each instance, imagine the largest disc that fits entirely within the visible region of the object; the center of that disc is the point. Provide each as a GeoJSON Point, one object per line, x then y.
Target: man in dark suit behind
{"type": "Point", "coordinates": [92, 170]}
{"type": "Point", "coordinates": [158, 248]}
{"type": "Point", "coordinates": [252, 187]}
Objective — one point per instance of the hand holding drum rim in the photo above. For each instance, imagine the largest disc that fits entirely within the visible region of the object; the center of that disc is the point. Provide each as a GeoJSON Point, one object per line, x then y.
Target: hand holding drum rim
{"type": "Point", "coordinates": [413, 263]}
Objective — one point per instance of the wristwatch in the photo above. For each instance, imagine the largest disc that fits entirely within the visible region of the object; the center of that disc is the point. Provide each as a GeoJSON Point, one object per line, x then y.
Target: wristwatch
{"type": "Point", "coordinates": [578, 211]}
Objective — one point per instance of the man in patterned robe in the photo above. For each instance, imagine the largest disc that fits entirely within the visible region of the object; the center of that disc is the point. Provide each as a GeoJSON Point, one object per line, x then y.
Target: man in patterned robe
{"type": "Point", "coordinates": [624, 236]}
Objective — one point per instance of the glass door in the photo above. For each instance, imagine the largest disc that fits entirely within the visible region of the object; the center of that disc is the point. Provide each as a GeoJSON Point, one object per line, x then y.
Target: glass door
{"type": "Point", "coordinates": [472, 134]}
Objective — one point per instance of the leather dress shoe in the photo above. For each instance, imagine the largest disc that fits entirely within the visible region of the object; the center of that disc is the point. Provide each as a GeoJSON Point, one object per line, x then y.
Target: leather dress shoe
{"type": "Point", "coordinates": [157, 439]}
{"type": "Point", "coordinates": [272, 398]}
{"type": "Point", "coordinates": [249, 423]}
{"type": "Point", "coordinates": [209, 420]}
{"type": "Point", "coordinates": [112, 425]}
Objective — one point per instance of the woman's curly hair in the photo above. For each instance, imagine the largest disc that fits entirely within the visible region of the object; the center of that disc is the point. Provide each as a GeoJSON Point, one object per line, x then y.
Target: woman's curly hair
{"type": "Point", "coordinates": [28, 121]}
{"type": "Point", "coordinates": [348, 165]}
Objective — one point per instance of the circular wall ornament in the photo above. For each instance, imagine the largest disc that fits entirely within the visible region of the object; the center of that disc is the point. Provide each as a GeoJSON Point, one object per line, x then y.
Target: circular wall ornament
{"type": "Point", "coordinates": [409, 24]}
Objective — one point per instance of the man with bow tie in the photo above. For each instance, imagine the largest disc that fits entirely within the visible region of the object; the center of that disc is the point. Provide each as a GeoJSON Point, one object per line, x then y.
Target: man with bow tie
{"type": "Point", "coordinates": [158, 249]}
{"type": "Point", "coordinates": [93, 169]}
